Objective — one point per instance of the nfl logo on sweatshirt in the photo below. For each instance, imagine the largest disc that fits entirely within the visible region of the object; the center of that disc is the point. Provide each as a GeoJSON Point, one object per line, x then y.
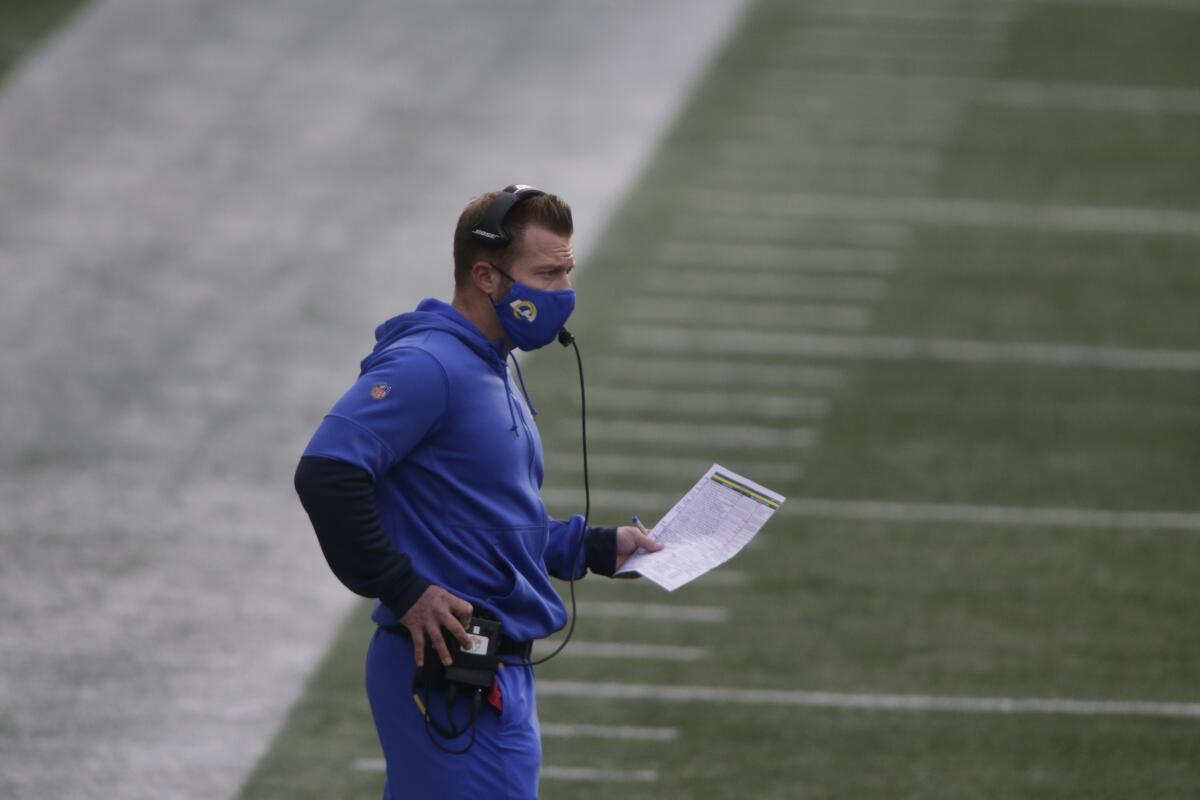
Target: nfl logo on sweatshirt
{"type": "Point", "coordinates": [380, 391]}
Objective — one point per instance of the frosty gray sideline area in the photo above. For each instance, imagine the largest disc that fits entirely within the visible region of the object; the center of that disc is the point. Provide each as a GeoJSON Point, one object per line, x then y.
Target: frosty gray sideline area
{"type": "Point", "coordinates": [707, 527]}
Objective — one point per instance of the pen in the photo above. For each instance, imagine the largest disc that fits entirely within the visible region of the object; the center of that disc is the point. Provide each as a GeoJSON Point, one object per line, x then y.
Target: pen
{"type": "Point", "coordinates": [640, 526]}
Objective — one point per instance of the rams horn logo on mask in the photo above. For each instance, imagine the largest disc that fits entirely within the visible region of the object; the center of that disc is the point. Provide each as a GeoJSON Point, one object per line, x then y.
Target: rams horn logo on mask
{"type": "Point", "coordinates": [523, 309]}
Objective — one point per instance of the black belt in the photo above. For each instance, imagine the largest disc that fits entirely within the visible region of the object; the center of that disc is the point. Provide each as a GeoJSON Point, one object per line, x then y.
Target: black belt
{"type": "Point", "coordinates": [508, 646]}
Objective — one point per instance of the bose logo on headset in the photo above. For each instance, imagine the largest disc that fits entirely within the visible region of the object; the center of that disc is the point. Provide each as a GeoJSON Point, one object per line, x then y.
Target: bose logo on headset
{"type": "Point", "coordinates": [491, 227]}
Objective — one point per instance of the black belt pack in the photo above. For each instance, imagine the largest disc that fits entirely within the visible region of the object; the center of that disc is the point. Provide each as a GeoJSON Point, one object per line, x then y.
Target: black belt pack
{"type": "Point", "coordinates": [474, 666]}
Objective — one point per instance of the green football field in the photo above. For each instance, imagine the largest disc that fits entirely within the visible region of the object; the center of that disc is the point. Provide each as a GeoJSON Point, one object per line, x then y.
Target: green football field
{"type": "Point", "coordinates": [929, 270]}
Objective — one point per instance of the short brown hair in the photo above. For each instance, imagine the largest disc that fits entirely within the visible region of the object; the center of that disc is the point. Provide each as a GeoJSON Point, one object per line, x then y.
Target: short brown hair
{"type": "Point", "coordinates": [546, 210]}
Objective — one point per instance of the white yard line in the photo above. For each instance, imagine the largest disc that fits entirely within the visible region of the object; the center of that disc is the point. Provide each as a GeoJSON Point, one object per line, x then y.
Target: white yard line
{"type": "Point", "coordinates": [1140, 5]}
{"type": "Point", "coordinates": [655, 612]}
{"type": "Point", "coordinates": [950, 211]}
{"type": "Point", "coordinates": [783, 128]}
{"type": "Point", "coordinates": [682, 433]}
{"type": "Point", "coordinates": [747, 313]}
{"type": "Point", "coordinates": [766, 230]}
{"type": "Point", "coordinates": [891, 158]}
{"type": "Point", "coordinates": [899, 348]}
{"type": "Point", "coordinates": [622, 733]}
{"type": "Point", "coordinates": [833, 180]}
{"type": "Point", "coordinates": [1091, 97]}
{"type": "Point", "coordinates": [655, 466]}
{"type": "Point", "coordinates": [551, 772]}
{"type": "Point", "coordinates": [647, 505]}
{"type": "Point", "coordinates": [839, 88]}
{"type": "Point", "coordinates": [715, 372]}
{"type": "Point", "coordinates": [896, 511]}
{"type": "Point", "coordinates": [855, 37]}
{"type": "Point", "coordinates": [724, 578]}
{"type": "Point", "coordinates": [625, 651]}
{"type": "Point", "coordinates": [369, 765]}
{"type": "Point", "coordinates": [892, 511]}
{"type": "Point", "coordinates": [907, 13]}
{"type": "Point", "coordinates": [777, 257]}
{"type": "Point", "coordinates": [713, 284]}
{"type": "Point", "coordinates": [866, 702]}
{"type": "Point", "coordinates": [779, 407]}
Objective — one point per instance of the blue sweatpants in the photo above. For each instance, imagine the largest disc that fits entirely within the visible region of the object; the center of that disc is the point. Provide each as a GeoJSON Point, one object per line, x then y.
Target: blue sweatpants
{"type": "Point", "coordinates": [502, 763]}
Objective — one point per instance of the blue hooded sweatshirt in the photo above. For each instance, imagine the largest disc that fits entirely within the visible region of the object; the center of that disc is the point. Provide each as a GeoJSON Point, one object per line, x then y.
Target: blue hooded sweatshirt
{"type": "Point", "coordinates": [457, 463]}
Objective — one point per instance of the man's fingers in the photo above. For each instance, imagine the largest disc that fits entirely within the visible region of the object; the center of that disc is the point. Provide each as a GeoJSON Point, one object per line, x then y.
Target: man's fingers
{"type": "Point", "coordinates": [439, 644]}
{"type": "Point", "coordinates": [457, 630]}
{"type": "Point", "coordinates": [462, 610]}
{"type": "Point", "coordinates": [418, 640]}
{"type": "Point", "coordinates": [646, 543]}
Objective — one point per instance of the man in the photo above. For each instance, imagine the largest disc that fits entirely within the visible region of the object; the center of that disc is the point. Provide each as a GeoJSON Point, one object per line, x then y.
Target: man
{"type": "Point", "coordinates": [423, 486]}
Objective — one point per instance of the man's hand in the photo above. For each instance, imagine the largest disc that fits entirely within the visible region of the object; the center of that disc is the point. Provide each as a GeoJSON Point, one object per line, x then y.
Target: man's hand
{"type": "Point", "coordinates": [630, 540]}
{"type": "Point", "coordinates": [436, 608]}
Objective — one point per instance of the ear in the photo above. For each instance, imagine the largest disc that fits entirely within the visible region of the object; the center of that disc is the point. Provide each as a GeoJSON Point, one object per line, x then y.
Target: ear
{"type": "Point", "coordinates": [486, 279]}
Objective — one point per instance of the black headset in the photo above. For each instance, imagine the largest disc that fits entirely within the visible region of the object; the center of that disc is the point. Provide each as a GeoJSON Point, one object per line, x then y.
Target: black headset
{"type": "Point", "coordinates": [491, 228]}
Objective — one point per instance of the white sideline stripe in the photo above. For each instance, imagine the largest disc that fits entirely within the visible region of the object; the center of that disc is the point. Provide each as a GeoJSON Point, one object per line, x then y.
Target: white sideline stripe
{"type": "Point", "coordinates": [629, 651]}
{"type": "Point", "coordinates": [746, 313]}
{"type": "Point", "coordinates": [757, 405]}
{"type": "Point", "coordinates": [617, 430]}
{"type": "Point", "coordinates": [712, 371]}
{"type": "Point", "coordinates": [624, 733]}
{"type": "Point", "coordinates": [772, 257]}
{"type": "Point", "coordinates": [369, 765]}
{"type": "Point", "coordinates": [891, 511]}
{"type": "Point", "coordinates": [710, 284]}
{"type": "Point", "coordinates": [894, 348]}
{"type": "Point", "coordinates": [869, 702]}
{"type": "Point", "coordinates": [951, 211]}
{"type": "Point", "coordinates": [664, 466]}
{"type": "Point", "coordinates": [847, 233]}
{"type": "Point", "coordinates": [592, 775]}
{"type": "Point", "coordinates": [654, 612]}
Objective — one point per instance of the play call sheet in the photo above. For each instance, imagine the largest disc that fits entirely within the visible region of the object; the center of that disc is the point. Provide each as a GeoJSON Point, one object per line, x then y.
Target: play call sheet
{"type": "Point", "coordinates": [707, 527]}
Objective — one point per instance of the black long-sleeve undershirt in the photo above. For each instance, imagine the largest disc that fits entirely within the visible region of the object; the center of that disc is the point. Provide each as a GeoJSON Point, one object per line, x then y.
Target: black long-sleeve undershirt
{"type": "Point", "coordinates": [340, 501]}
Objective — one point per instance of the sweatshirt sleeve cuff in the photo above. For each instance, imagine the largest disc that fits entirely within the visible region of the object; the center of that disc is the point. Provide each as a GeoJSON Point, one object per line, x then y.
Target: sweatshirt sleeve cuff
{"type": "Point", "coordinates": [600, 550]}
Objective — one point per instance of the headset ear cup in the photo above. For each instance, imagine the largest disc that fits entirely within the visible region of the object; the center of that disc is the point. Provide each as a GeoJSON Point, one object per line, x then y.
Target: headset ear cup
{"type": "Point", "coordinates": [490, 229]}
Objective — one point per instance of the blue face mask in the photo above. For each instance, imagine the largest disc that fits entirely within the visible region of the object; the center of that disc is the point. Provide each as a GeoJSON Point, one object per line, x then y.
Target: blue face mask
{"type": "Point", "coordinates": [532, 317]}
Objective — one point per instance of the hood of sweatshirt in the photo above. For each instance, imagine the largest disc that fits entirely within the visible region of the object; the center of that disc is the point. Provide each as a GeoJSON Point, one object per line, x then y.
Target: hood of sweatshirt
{"type": "Point", "coordinates": [435, 315]}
